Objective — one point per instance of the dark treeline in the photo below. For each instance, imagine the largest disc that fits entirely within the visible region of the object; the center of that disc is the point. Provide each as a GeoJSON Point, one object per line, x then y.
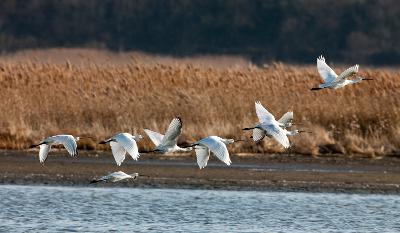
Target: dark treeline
{"type": "Point", "coordinates": [361, 31]}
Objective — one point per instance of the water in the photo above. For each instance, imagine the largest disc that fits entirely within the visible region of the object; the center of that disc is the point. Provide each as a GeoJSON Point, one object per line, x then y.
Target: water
{"type": "Point", "coordinates": [80, 209]}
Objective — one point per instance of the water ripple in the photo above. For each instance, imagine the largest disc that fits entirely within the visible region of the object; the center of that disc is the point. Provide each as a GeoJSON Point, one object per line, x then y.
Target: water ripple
{"type": "Point", "coordinates": [79, 209]}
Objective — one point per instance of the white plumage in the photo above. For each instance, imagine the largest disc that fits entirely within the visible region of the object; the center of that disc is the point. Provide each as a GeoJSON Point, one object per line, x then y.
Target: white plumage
{"type": "Point", "coordinates": [167, 143]}
{"type": "Point", "coordinates": [334, 81]}
{"type": "Point", "coordinates": [269, 126]}
{"type": "Point", "coordinates": [286, 120]}
{"type": "Point", "coordinates": [214, 144]}
{"type": "Point", "coordinates": [121, 144]}
{"type": "Point", "coordinates": [68, 141]}
{"type": "Point", "coordinates": [115, 177]}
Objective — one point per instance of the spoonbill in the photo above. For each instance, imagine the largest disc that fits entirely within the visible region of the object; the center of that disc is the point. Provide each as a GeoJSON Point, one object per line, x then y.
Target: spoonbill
{"type": "Point", "coordinates": [259, 134]}
{"type": "Point", "coordinates": [68, 141]}
{"type": "Point", "coordinates": [168, 143]}
{"type": "Point", "coordinates": [334, 81]}
{"type": "Point", "coordinates": [122, 143]}
{"type": "Point", "coordinates": [115, 177]}
{"type": "Point", "coordinates": [268, 126]}
{"type": "Point", "coordinates": [214, 144]}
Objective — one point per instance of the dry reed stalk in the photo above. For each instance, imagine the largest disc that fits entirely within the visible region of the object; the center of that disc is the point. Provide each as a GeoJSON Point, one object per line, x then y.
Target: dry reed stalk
{"type": "Point", "coordinates": [44, 98]}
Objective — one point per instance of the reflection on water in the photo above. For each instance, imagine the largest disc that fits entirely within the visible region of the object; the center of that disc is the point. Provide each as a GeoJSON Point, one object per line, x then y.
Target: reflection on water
{"type": "Point", "coordinates": [80, 209]}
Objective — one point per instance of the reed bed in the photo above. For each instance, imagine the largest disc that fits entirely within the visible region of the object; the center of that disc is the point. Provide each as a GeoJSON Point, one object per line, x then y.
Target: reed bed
{"type": "Point", "coordinates": [44, 98]}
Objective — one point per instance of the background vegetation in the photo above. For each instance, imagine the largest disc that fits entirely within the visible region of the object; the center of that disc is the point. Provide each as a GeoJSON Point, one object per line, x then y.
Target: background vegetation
{"type": "Point", "coordinates": [98, 94]}
{"type": "Point", "coordinates": [295, 31]}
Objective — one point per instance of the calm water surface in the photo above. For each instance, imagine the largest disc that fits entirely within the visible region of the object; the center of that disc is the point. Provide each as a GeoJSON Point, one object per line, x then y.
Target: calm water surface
{"type": "Point", "coordinates": [80, 209]}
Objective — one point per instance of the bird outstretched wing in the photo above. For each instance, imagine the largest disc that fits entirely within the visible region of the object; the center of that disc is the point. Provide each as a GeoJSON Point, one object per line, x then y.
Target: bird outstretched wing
{"type": "Point", "coordinates": [286, 118]}
{"type": "Point", "coordinates": [155, 137]}
{"type": "Point", "coordinates": [326, 72]}
{"type": "Point", "coordinates": [118, 152]}
{"type": "Point", "coordinates": [202, 154]}
{"type": "Point", "coordinates": [258, 135]}
{"type": "Point", "coordinates": [347, 73]}
{"type": "Point", "coordinates": [69, 143]}
{"type": "Point", "coordinates": [217, 147]}
{"type": "Point", "coordinates": [128, 143]}
{"type": "Point", "coordinates": [43, 152]}
{"type": "Point", "coordinates": [174, 130]}
{"type": "Point", "coordinates": [263, 114]}
{"type": "Point", "coordinates": [278, 134]}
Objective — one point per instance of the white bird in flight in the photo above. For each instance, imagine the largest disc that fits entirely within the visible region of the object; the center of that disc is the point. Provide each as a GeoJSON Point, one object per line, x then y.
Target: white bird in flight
{"type": "Point", "coordinates": [259, 134]}
{"type": "Point", "coordinates": [334, 81]}
{"type": "Point", "coordinates": [122, 143]}
{"type": "Point", "coordinates": [68, 141]}
{"type": "Point", "coordinates": [168, 143]}
{"type": "Point", "coordinates": [268, 126]}
{"type": "Point", "coordinates": [214, 144]}
{"type": "Point", "coordinates": [115, 177]}
{"type": "Point", "coordinates": [284, 122]}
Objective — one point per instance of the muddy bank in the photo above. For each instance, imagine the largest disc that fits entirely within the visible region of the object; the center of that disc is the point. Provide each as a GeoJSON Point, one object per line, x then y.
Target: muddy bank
{"type": "Point", "coordinates": [255, 172]}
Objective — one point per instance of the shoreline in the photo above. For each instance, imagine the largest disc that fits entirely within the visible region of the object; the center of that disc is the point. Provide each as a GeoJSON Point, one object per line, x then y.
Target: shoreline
{"type": "Point", "coordinates": [287, 173]}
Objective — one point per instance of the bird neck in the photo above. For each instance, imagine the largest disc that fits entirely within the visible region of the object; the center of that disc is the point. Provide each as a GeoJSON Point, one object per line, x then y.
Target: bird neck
{"type": "Point", "coordinates": [228, 141]}
{"type": "Point", "coordinates": [356, 80]}
{"type": "Point", "coordinates": [292, 132]}
{"type": "Point", "coordinates": [183, 149]}
{"type": "Point", "coordinates": [137, 137]}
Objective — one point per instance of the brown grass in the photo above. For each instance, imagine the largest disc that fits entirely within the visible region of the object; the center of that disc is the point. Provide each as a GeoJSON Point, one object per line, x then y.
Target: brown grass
{"type": "Point", "coordinates": [87, 98]}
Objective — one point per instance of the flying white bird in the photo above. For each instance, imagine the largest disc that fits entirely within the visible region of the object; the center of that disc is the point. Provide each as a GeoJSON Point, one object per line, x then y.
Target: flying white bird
{"type": "Point", "coordinates": [259, 134]}
{"type": "Point", "coordinates": [68, 141]}
{"type": "Point", "coordinates": [115, 177]}
{"type": "Point", "coordinates": [268, 126]}
{"type": "Point", "coordinates": [122, 143]}
{"type": "Point", "coordinates": [334, 81]}
{"type": "Point", "coordinates": [167, 143]}
{"type": "Point", "coordinates": [214, 144]}
{"type": "Point", "coordinates": [286, 120]}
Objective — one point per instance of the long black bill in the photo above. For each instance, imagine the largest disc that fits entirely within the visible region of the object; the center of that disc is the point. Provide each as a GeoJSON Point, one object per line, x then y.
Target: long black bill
{"type": "Point", "coordinates": [248, 128]}
{"type": "Point", "coordinates": [303, 131]}
{"type": "Point", "coordinates": [297, 124]}
{"type": "Point", "coordinates": [88, 137]}
{"type": "Point", "coordinates": [240, 140]}
{"type": "Point", "coordinates": [102, 142]}
{"type": "Point", "coordinates": [149, 151]}
{"type": "Point", "coordinates": [35, 145]}
{"type": "Point", "coordinates": [94, 181]}
{"type": "Point", "coordinates": [316, 88]}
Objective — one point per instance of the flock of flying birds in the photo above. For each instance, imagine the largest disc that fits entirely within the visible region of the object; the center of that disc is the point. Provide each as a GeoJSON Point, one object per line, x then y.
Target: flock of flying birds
{"type": "Point", "coordinates": [123, 143]}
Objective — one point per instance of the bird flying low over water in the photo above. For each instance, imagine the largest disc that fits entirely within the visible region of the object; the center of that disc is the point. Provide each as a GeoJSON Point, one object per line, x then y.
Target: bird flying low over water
{"type": "Point", "coordinates": [122, 143]}
{"type": "Point", "coordinates": [115, 177]}
{"type": "Point", "coordinates": [334, 81]}
{"type": "Point", "coordinates": [214, 144]}
{"type": "Point", "coordinates": [167, 143]}
{"type": "Point", "coordinates": [68, 141]}
{"type": "Point", "coordinates": [268, 126]}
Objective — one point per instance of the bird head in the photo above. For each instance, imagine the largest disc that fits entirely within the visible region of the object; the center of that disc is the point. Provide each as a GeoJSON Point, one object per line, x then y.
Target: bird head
{"type": "Point", "coordinates": [228, 141]}
{"type": "Point", "coordinates": [138, 137]}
